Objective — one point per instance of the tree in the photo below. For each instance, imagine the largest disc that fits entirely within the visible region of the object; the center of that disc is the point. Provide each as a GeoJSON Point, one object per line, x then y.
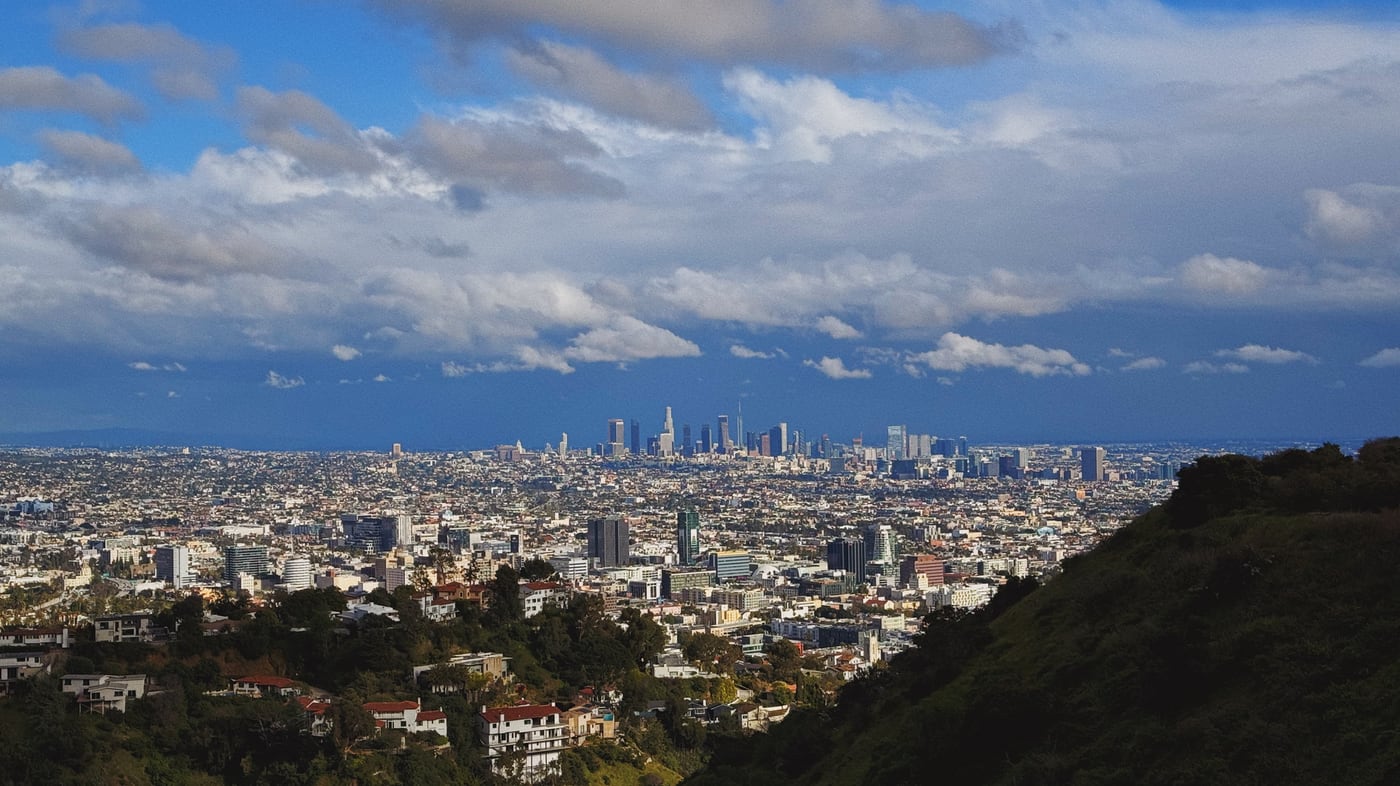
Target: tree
{"type": "Point", "coordinates": [504, 591]}
{"type": "Point", "coordinates": [350, 723]}
{"type": "Point", "coordinates": [536, 569]}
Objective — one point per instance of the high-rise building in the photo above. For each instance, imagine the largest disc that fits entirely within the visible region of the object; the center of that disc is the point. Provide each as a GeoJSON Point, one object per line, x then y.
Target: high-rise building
{"type": "Point", "coordinates": [896, 443]}
{"type": "Point", "coordinates": [608, 541]}
{"type": "Point", "coordinates": [674, 581]}
{"type": "Point", "coordinates": [687, 447]}
{"type": "Point", "coordinates": [396, 451]}
{"type": "Point", "coordinates": [927, 565]}
{"type": "Point", "coordinates": [251, 560]}
{"type": "Point", "coordinates": [636, 437]}
{"type": "Point", "coordinates": [374, 534]}
{"type": "Point", "coordinates": [726, 441]}
{"type": "Point", "coordinates": [729, 564]}
{"type": "Point", "coordinates": [706, 440]}
{"type": "Point", "coordinates": [173, 565]}
{"type": "Point", "coordinates": [296, 573]}
{"type": "Point", "coordinates": [688, 536]}
{"type": "Point", "coordinates": [846, 554]}
{"type": "Point", "coordinates": [1091, 463]}
{"type": "Point", "coordinates": [879, 544]}
{"type": "Point", "coordinates": [617, 437]}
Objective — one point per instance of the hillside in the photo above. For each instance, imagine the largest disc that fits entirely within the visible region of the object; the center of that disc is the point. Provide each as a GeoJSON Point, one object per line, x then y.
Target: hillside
{"type": "Point", "coordinates": [1245, 632]}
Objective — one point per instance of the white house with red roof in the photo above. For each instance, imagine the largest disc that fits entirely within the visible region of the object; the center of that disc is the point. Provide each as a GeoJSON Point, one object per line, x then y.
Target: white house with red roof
{"type": "Point", "coordinates": [262, 685]}
{"type": "Point", "coordinates": [535, 595]}
{"type": "Point", "coordinates": [407, 716]}
{"type": "Point", "coordinates": [318, 723]}
{"type": "Point", "coordinates": [525, 737]}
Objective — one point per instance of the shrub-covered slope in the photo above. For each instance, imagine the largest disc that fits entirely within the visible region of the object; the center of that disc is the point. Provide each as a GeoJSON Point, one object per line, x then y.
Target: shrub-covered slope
{"type": "Point", "coordinates": [1248, 632]}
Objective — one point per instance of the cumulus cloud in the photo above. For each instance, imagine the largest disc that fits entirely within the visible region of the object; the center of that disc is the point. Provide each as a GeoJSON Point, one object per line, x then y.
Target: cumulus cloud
{"type": "Point", "coordinates": [579, 73]}
{"type": "Point", "coordinates": [275, 380]}
{"type": "Point", "coordinates": [454, 370]}
{"type": "Point", "coordinates": [866, 36]}
{"type": "Point", "coordinates": [835, 368]}
{"type": "Point", "coordinates": [1209, 274]}
{"type": "Point", "coordinates": [382, 378]}
{"type": "Point", "coordinates": [1145, 364]}
{"type": "Point", "coordinates": [956, 352]}
{"type": "Point", "coordinates": [1256, 353]}
{"type": "Point", "coordinates": [836, 328]}
{"type": "Point", "coordinates": [300, 125]}
{"type": "Point", "coordinates": [1206, 367]}
{"type": "Point", "coordinates": [166, 246]}
{"type": "Point", "coordinates": [1386, 358]}
{"type": "Point", "coordinates": [1335, 218]}
{"type": "Point", "coordinates": [182, 66]}
{"type": "Point", "coordinates": [741, 351]}
{"type": "Point", "coordinates": [42, 88]}
{"type": "Point", "coordinates": [88, 154]}
{"type": "Point", "coordinates": [344, 352]}
{"type": "Point", "coordinates": [628, 338]}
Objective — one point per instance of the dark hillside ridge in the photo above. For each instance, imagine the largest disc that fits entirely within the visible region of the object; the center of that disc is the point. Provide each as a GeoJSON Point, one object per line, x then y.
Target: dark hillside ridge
{"type": "Point", "coordinates": [1246, 632]}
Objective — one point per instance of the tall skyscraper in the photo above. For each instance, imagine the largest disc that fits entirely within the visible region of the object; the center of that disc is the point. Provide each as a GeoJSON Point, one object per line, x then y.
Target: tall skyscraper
{"type": "Point", "coordinates": [296, 573]}
{"type": "Point", "coordinates": [687, 447]}
{"type": "Point", "coordinates": [636, 437]}
{"type": "Point", "coordinates": [846, 554]}
{"type": "Point", "coordinates": [896, 443]}
{"type": "Point", "coordinates": [244, 559]}
{"type": "Point", "coordinates": [726, 441]}
{"type": "Point", "coordinates": [707, 444]}
{"type": "Point", "coordinates": [777, 440]}
{"type": "Point", "coordinates": [617, 437]}
{"type": "Point", "coordinates": [879, 544]}
{"type": "Point", "coordinates": [607, 541]}
{"type": "Point", "coordinates": [173, 565]}
{"type": "Point", "coordinates": [688, 536]}
{"type": "Point", "coordinates": [564, 444]}
{"type": "Point", "coordinates": [1091, 463]}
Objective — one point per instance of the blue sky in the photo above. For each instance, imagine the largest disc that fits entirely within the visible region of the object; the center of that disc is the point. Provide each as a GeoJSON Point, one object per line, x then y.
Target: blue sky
{"type": "Point", "coordinates": [451, 224]}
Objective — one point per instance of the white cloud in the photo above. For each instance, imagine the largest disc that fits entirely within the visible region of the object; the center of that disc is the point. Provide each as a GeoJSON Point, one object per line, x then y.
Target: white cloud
{"type": "Point", "coordinates": [836, 368]}
{"type": "Point", "coordinates": [1145, 364]}
{"type": "Point", "coordinates": [1204, 367]}
{"type": "Point", "coordinates": [454, 370]}
{"type": "Point", "coordinates": [628, 338]}
{"type": "Point", "coordinates": [141, 365]}
{"type": "Point", "coordinates": [1332, 217]}
{"type": "Point", "coordinates": [343, 352]}
{"type": "Point", "coordinates": [1386, 358]}
{"type": "Point", "coordinates": [1210, 274]}
{"type": "Point", "coordinates": [275, 380]}
{"type": "Point", "coordinates": [1256, 353]}
{"type": "Point", "coordinates": [836, 328]}
{"type": "Point", "coordinates": [171, 394]}
{"type": "Point", "coordinates": [382, 378]}
{"type": "Point", "coordinates": [956, 352]}
{"type": "Point", "coordinates": [741, 351]}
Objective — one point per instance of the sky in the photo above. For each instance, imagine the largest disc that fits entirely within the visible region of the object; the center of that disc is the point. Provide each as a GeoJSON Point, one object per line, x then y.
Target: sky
{"type": "Point", "coordinates": [453, 224]}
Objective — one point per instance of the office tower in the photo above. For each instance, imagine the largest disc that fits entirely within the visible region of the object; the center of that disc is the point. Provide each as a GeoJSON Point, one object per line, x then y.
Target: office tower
{"type": "Point", "coordinates": [765, 444]}
{"type": "Point", "coordinates": [926, 565]}
{"type": "Point", "coordinates": [173, 565]}
{"type": "Point", "coordinates": [1022, 456]}
{"type": "Point", "coordinates": [396, 451]}
{"type": "Point", "coordinates": [296, 573]}
{"type": "Point", "coordinates": [617, 437]}
{"type": "Point", "coordinates": [244, 559]}
{"type": "Point", "coordinates": [1091, 463]}
{"type": "Point", "coordinates": [739, 426]}
{"type": "Point", "coordinates": [673, 582]}
{"type": "Point", "coordinates": [962, 446]}
{"type": "Point", "coordinates": [688, 536]}
{"type": "Point", "coordinates": [1006, 468]}
{"type": "Point", "coordinates": [846, 554]}
{"type": "Point", "coordinates": [896, 443]}
{"type": "Point", "coordinates": [726, 442]}
{"type": "Point", "coordinates": [826, 446]}
{"type": "Point", "coordinates": [729, 564]}
{"type": "Point", "coordinates": [636, 437]}
{"type": "Point", "coordinates": [879, 544]}
{"type": "Point", "coordinates": [706, 440]}
{"type": "Point", "coordinates": [517, 542]}
{"type": "Point", "coordinates": [777, 440]}
{"type": "Point", "coordinates": [667, 426]}
{"type": "Point", "coordinates": [687, 447]}
{"type": "Point", "coordinates": [374, 534]}
{"type": "Point", "coordinates": [564, 444]}
{"type": "Point", "coordinates": [607, 541]}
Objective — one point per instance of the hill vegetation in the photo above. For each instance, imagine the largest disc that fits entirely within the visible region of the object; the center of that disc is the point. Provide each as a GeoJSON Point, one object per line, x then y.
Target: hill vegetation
{"type": "Point", "coordinates": [1245, 632]}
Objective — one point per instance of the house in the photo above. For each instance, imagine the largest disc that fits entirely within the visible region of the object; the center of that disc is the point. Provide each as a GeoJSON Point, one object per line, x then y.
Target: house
{"type": "Point", "coordinates": [35, 637]}
{"type": "Point", "coordinates": [129, 628]}
{"type": "Point", "coordinates": [407, 716]}
{"type": "Point", "coordinates": [436, 609]}
{"type": "Point", "coordinates": [493, 664]}
{"type": "Point", "coordinates": [15, 666]}
{"type": "Point", "coordinates": [585, 722]}
{"type": "Point", "coordinates": [359, 611]}
{"type": "Point", "coordinates": [261, 685]}
{"type": "Point", "coordinates": [525, 737]}
{"type": "Point", "coordinates": [318, 723]}
{"type": "Point", "coordinates": [103, 692]}
{"type": "Point", "coordinates": [535, 595]}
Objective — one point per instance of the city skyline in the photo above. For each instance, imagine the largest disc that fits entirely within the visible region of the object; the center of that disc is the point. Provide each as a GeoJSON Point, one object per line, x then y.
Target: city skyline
{"type": "Point", "coordinates": [452, 225]}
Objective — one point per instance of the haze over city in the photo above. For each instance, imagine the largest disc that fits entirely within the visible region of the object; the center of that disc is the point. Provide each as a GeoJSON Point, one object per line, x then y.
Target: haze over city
{"type": "Point", "coordinates": [318, 225]}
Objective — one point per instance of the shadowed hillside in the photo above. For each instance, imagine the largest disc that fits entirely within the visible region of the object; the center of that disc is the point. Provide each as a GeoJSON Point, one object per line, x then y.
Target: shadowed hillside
{"type": "Point", "coordinates": [1246, 632]}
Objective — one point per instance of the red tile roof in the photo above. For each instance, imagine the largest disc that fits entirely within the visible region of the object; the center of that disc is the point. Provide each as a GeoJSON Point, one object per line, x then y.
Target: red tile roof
{"type": "Point", "coordinates": [390, 706]}
{"type": "Point", "coordinates": [431, 715]}
{"type": "Point", "coordinates": [519, 712]}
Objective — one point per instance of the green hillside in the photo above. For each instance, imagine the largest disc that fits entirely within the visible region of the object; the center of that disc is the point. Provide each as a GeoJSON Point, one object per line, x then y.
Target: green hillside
{"type": "Point", "coordinates": [1248, 632]}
